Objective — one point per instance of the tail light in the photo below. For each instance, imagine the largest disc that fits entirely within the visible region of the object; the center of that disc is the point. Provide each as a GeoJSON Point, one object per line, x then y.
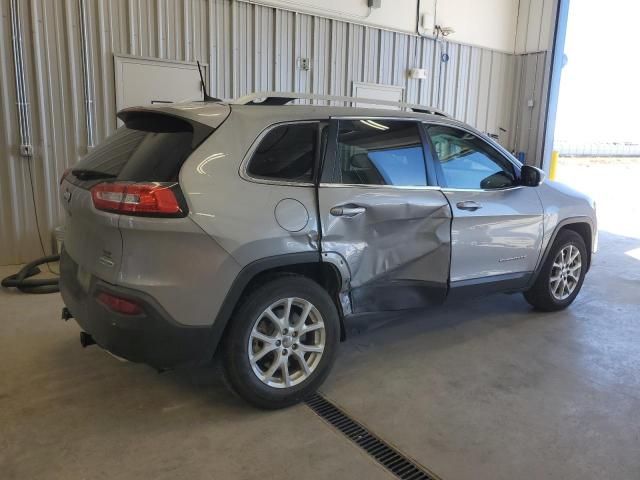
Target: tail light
{"type": "Point", "coordinates": [119, 304]}
{"type": "Point", "coordinates": [151, 199]}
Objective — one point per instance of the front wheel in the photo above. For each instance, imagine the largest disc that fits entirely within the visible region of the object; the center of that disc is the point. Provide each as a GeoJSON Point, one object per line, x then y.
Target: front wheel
{"type": "Point", "coordinates": [562, 274]}
{"type": "Point", "coordinates": [281, 342]}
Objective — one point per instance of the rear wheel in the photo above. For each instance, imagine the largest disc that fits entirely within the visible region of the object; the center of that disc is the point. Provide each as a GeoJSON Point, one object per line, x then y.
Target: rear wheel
{"type": "Point", "coordinates": [562, 274]}
{"type": "Point", "coordinates": [281, 342]}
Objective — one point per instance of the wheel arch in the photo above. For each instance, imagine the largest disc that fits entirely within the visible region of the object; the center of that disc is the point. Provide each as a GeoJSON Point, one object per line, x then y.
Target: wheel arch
{"type": "Point", "coordinates": [583, 226]}
{"type": "Point", "coordinates": [584, 230]}
{"type": "Point", "coordinates": [326, 273]}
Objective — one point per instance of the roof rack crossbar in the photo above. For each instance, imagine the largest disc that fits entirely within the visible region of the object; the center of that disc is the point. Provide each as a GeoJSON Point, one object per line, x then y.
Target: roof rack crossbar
{"type": "Point", "coordinates": [282, 98]}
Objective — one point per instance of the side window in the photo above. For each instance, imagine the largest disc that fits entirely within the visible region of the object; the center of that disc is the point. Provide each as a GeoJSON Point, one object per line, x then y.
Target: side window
{"type": "Point", "coordinates": [380, 152]}
{"type": "Point", "coordinates": [469, 162]}
{"type": "Point", "coordinates": [287, 153]}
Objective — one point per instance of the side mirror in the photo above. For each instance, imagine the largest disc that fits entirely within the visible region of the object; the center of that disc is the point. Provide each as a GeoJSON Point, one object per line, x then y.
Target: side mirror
{"type": "Point", "coordinates": [531, 176]}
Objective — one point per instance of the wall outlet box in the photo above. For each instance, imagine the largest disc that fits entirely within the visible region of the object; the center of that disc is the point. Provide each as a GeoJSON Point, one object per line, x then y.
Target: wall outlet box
{"type": "Point", "coordinates": [304, 64]}
{"type": "Point", "coordinates": [417, 73]}
{"type": "Point", "coordinates": [530, 103]}
{"type": "Point", "coordinates": [26, 150]}
{"type": "Point", "coordinates": [428, 22]}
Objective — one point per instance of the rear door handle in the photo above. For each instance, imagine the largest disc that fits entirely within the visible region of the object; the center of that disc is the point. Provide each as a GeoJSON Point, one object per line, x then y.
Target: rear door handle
{"type": "Point", "coordinates": [346, 211]}
{"type": "Point", "coordinates": [468, 205]}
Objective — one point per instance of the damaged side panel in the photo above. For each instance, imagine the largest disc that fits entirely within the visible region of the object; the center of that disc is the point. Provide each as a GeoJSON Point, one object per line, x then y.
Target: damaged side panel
{"type": "Point", "coordinates": [396, 243]}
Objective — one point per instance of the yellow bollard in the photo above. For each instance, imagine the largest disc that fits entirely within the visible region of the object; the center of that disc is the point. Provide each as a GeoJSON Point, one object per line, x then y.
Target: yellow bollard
{"type": "Point", "coordinates": [554, 165]}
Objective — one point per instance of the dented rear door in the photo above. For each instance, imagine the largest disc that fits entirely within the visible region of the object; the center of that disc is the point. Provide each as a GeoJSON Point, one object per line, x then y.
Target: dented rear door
{"type": "Point", "coordinates": [379, 213]}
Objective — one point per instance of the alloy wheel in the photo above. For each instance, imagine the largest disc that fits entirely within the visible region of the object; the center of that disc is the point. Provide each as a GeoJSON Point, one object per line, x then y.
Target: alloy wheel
{"type": "Point", "coordinates": [565, 272]}
{"type": "Point", "coordinates": [286, 342]}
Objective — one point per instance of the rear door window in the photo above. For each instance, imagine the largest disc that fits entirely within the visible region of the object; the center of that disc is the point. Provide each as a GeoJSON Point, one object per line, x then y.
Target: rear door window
{"type": "Point", "coordinates": [287, 152]}
{"type": "Point", "coordinates": [380, 152]}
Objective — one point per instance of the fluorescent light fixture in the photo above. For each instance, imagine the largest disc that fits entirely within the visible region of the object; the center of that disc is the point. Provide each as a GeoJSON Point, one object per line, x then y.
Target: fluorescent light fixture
{"type": "Point", "coordinates": [376, 125]}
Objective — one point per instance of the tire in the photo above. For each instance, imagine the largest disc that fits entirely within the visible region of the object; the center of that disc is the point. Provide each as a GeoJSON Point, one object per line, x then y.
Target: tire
{"type": "Point", "coordinates": [551, 295]}
{"type": "Point", "coordinates": [252, 331]}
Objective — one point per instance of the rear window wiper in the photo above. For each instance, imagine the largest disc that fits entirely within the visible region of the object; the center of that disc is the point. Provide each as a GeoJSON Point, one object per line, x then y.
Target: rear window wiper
{"type": "Point", "coordinates": [83, 174]}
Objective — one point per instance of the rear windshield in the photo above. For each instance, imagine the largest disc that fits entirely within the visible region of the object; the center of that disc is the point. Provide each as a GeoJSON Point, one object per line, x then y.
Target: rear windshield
{"type": "Point", "coordinates": [150, 147]}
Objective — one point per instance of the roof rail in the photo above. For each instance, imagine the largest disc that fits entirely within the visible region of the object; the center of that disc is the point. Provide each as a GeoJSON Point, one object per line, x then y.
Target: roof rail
{"type": "Point", "coordinates": [282, 98]}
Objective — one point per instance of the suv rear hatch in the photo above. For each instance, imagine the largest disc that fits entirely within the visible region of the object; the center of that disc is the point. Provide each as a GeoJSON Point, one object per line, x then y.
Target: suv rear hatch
{"type": "Point", "coordinates": [135, 172]}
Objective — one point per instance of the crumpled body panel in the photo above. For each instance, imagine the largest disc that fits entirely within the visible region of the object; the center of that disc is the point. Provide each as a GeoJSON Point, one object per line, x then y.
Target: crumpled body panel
{"type": "Point", "coordinates": [402, 234]}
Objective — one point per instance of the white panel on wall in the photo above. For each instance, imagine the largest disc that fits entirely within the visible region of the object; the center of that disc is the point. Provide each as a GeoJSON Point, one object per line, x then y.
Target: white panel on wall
{"type": "Point", "coordinates": [376, 91]}
{"type": "Point", "coordinates": [142, 81]}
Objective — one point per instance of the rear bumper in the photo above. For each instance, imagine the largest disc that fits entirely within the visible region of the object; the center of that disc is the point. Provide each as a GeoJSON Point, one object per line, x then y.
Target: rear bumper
{"type": "Point", "coordinates": [152, 337]}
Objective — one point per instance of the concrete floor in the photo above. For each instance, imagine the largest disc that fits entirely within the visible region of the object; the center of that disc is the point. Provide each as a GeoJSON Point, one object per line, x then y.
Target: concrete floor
{"type": "Point", "coordinates": [485, 389]}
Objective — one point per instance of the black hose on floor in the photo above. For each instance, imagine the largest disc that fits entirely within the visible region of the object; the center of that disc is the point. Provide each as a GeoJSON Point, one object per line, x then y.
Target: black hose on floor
{"type": "Point", "coordinates": [22, 282]}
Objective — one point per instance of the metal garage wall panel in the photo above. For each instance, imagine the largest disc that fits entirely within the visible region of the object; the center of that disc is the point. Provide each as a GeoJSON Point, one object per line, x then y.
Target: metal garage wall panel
{"type": "Point", "coordinates": [473, 86]}
{"type": "Point", "coordinates": [355, 57]}
{"type": "Point", "coordinates": [284, 34]}
{"type": "Point", "coordinates": [413, 55]}
{"type": "Point", "coordinates": [495, 96]}
{"type": "Point", "coordinates": [531, 85]}
{"type": "Point", "coordinates": [339, 54]}
{"type": "Point", "coordinates": [534, 32]}
{"type": "Point", "coordinates": [385, 57]}
{"type": "Point", "coordinates": [372, 58]}
{"type": "Point", "coordinates": [303, 46]}
{"type": "Point", "coordinates": [221, 47]}
{"type": "Point", "coordinates": [248, 48]}
{"type": "Point", "coordinates": [462, 82]}
{"type": "Point", "coordinates": [542, 85]}
{"type": "Point", "coordinates": [12, 187]}
{"type": "Point", "coordinates": [449, 78]}
{"type": "Point", "coordinates": [401, 59]}
{"type": "Point", "coordinates": [429, 56]}
{"type": "Point", "coordinates": [321, 61]}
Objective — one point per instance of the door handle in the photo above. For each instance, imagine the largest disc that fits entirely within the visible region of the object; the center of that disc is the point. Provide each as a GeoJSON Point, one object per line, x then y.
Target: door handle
{"type": "Point", "coordinates": [346, 211]}
{"type": "Point", "coordinates": [468, 205]}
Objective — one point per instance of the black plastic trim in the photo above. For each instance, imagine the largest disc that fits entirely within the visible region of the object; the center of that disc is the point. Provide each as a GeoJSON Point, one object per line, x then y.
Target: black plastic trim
{"type": "Point", "coordinates": [200, 131]}
{"type": "Point", "coordinates": [395, 295]}
{"type": "Point", "coordinates": [248, 273]}
{"type": "Point", "coordinates": [329, 162]}
{"type": "Point", "coordinates": [278, 101]}
{"type": "Point", "coordinates": [506, 283]}
{"type": "Point", "coordinates": [152, 337]}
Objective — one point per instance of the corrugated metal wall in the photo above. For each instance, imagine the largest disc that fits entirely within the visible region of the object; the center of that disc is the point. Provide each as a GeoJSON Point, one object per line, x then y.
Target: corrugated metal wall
{"type": "Point", "coordinates": [530, 104]}
{"type": "Point", "coordinates": [534, 30]}
{"type": "Point", "coordinates": [248, 48]}
{"type": "Point", "coordinates": [475, 85]}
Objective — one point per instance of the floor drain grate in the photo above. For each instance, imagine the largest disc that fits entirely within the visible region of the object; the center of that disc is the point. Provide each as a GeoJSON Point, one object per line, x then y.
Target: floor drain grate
{"type": "Point", "coordinates": [390, 458]}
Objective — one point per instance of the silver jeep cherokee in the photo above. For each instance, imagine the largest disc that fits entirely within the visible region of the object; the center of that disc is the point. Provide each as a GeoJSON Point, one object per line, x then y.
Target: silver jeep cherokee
{"type": "Point", "coordinates": [255, 231]}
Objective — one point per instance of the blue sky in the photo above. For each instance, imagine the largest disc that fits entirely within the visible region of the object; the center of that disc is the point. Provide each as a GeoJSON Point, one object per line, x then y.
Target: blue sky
{"type": "Point", "coordinates": [600, 85]}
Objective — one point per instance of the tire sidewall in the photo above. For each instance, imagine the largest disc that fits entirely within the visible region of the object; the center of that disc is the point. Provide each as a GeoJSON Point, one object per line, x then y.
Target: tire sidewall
{"type": "Point", "coordinates": [239, 372]}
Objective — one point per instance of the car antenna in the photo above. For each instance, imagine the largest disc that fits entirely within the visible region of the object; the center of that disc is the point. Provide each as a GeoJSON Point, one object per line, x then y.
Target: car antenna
{"type": "Point", "coordinates": [206, 98]}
